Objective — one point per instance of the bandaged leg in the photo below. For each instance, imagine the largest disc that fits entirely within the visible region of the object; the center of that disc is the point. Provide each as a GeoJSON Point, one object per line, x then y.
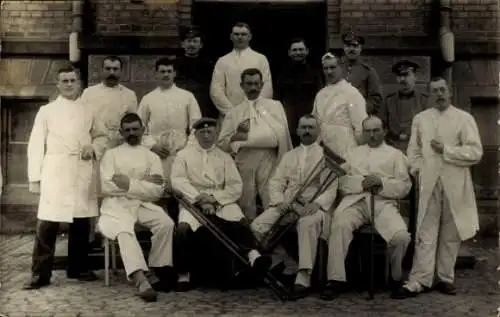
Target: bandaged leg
{"type": "Point", "coordinates": [341, 234]}
{"type": "Point", "coordinates": [309, 230]}
{"type": "Point", "coordinates": [424, 260]}
{"type": "Point", "coordinates": [390, 225]}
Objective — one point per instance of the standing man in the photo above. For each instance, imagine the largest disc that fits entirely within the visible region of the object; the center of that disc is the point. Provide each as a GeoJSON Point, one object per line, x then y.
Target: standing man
{"type": "Point", "coordinates": [360, 75]}
{"type": "Point", "coordinates": [225, 89]}
{"type": "Point", "coordinates": [444, 144]}
{"type": "Point", "coordinates": [60, 169]}
{"type": "Point", "coordinates": [194, 71]}
{"type": "Point", "coordinates": [168, 113]}
{"type": "Point", "coordinates": [340, 108]}
{"type": "Point", "coordinates": [376, 169]}
{"type": "Point", "coordinates": [131, 181]}
{"type": "Point", "coordinates": [291, 174]}
{"type": "Point", "coordinates": [401, 107]}
{"type": "Point", "coordinates": [256, 133]}
{"type": "Point", "coordinates": [208, 178]}
{"type": "Point", "coordinates": [110, 100]}
{"type": "Point", "coordinates": [297, 86]}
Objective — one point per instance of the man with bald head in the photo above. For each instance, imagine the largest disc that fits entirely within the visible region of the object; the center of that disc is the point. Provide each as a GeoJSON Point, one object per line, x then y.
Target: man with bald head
{"type": "Point", "coordinates": [374, 168]}
{"type": "Point", "coordinates": [340, 109]}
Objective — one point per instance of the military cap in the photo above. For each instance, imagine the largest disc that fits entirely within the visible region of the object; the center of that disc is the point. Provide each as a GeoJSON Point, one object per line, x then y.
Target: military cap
{"type": "Point", "coordinates": [191, 32]}
{"type": "Point", "coordinates": [404, 66]}
{"type": "Point", "coordinates": [204, 123]}
{"type": "Point", "coordinates": [351, 38]}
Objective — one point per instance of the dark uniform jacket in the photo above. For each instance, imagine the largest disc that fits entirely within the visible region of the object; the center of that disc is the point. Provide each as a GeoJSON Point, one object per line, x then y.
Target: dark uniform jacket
{"type": "Point", "coordinates": [296, 88]}
{"type": "Point", "coordinates": [194, 74]}
{"type": "Point", "coordinates": [398, 112]}
{"type": "Point", "coordinates": [366, 80]}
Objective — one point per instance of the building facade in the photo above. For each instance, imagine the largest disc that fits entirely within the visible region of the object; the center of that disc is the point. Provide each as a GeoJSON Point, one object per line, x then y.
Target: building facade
{"type": "Point", "coordinates": [35, 41]}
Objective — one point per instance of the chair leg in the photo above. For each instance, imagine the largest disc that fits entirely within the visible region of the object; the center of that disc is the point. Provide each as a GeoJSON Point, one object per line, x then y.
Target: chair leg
{"type": "Point", "coordinates": [106, 261]}
{"type": "Point", "coordinates": [113, 257]}
{"type": "Point", "coordinates": [387, 266]}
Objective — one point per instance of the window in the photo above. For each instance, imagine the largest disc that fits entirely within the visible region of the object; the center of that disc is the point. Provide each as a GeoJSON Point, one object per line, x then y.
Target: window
{"type": "Point", "coordinates": [17, 115]}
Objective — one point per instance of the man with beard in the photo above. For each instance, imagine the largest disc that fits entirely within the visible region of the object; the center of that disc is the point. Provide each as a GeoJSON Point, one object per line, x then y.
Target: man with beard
{"type": "Point", "coordinates": [168, 113]}
{"type": "Point", "coordinates": [110, 100]}
{"type": "Point", "coordinates": [297, 86]}
{"type": "Point", "coordinates": [256, 133]}
{"type": "Point", "coordinates": [400, 107]}
{"type": "Point", "coordinates": [361, 75]}
{"type": "Point", "coordinates": [225, 89]}
{"type": "Point", "coordinates": [131, 181]}
{"type": "Point", "coordinates": [60, 168]}
{"type": "Point", "coordinates": [340, 109]}
{"type": "Point", "coordinates": [208, 178]}
{"type": "Point", "coordinates": [376, 169]}
{"type": "Point", "coordinates": [290, 175]}
{"type": "Point", "coordinates": [194, 71]}
{"type": "Point", "coordinates": [444, 144]}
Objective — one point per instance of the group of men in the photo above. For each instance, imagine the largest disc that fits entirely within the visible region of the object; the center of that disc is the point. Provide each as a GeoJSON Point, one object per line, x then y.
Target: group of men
{"type": "Point", "coordinates": [104, 144]}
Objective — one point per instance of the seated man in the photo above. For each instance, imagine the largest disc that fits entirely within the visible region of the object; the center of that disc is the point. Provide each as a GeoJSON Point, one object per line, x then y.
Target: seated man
{"type": "Point", "coordinates": [208, 178]}
{"type": "Point", "coordinates": [131, 180]}
{"type": "Point", "coordinates": [290, 176]}
{"type": "Point", "coordinates": [375, 168]}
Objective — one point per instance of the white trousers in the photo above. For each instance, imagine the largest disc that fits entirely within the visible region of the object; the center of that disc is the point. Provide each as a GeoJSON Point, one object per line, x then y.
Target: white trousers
{"type": "Point", "coordinates": [162, 228]}
{"type": "Point", "coordinates": [437, 244]}
{"type": "Point", "coordinates": [388, 223]}
{"type": "Point", "coordinates": [309, 229]}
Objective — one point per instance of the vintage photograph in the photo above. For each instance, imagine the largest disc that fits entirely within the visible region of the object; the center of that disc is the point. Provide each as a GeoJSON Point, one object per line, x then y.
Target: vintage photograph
{"type": "Point", "coordinates": [250, 158]}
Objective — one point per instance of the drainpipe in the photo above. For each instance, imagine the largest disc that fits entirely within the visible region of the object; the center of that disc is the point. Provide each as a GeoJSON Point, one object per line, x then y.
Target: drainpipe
{"type": "Point", "coordinates": [446, 39]}
{"type": "Point", "coordinates": [76, 30]}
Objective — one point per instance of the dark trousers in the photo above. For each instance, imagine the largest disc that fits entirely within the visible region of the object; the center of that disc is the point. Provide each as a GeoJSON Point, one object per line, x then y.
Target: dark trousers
{"type": "Point", "coordinates": [186, 243]}
{"type": "Point", "coordinates": [45, 245]}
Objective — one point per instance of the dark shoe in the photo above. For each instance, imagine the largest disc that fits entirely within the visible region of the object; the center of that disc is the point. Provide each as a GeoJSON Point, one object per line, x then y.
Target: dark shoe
{"type": "Point", "coordinates": [148, 295]}
{"type": "Point", "coordinates": [84, 277]}
{"type": "Point", "coordinates": [182, 287]}
{"type": "Point", "coordinates": [164, 279]}
{"type": "Point", "coordinates": [36, 283]}
{"type": "Point", "coordinates": [403, 293]}
{"type": "Point", "coordinates": [332, 290]}
{"type": "Point", "coordinates": [394, 285]}
{"type": "Point", "coordinates": [446, 288]}
{"type": "Point", "coordinates": [300, 291]}
{"type": "Point", "coordinates": [261, 265]}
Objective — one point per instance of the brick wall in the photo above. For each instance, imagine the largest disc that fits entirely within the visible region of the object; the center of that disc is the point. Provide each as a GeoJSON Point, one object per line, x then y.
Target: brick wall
{"type": "Point", "coordinates": [475, 19]}
{"type": "Point", "coordinates": [149, 17]}
{"type": "Point", "coordinates": [38, 20]}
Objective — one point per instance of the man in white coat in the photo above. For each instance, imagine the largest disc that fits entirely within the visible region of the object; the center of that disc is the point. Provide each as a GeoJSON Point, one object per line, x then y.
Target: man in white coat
{"type": "Point", "coordinates": [168, 113]}
{"type": "Point", "coordinates": [131, 181]}
{"type": "Point", "coordinates": [110, 100]}
{"type": "Point", "coordinates": [256, 133]}
{"type": "Point", "coordinates": [208, 178]}
{"type": "Point", "coordinates": [60, 169]}
{"type": "Point", "coordinates": [289, 177]}
{"type": "Point", "coordinates": [444, 144]}
{"type": "Point", "coordinates": [375, 169]}
{"type": "Point", "coordinates": [340, 109]}
{"type": "Point", "coordinates": [225, 89]}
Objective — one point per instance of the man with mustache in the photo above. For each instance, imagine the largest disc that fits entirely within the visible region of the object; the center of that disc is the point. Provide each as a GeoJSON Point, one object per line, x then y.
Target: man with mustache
{"type": "Point", "coordinates": [401, 107]}
{"type": "Point", "coordinates": [374, 168]}
{"type": "Point", "coordinates": [131, 181]}
{"type": "Point", "coordinates": [290, 175]}
{"type": "Point", "coordinates": [444, 144]}
{"type": "Point", "coordinates": [256, 133]}
{"type": "Point", "coordinates": [208, 178]}
{"type": "Point", "coordinates": [225, 91]}
{"type": "Point", "coordinates": [360, 75]}
{"type": "Point", "coordinates": [340, 109]}
{"type": "Point", "coordinates": [61, 155]}
{"type": "Point", "coordinates": [194, 71]}
{"type": "Point", "coordinates": [297, 86]}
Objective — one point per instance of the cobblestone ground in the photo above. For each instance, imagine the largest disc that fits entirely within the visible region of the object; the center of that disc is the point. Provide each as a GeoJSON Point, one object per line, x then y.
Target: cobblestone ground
{"type": "Point", "coordinates": [479, 295]}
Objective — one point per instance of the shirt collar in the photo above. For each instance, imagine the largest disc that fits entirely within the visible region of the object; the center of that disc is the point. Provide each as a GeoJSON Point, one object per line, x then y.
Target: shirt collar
{"type": "Point", "coordinates": [168, 89]}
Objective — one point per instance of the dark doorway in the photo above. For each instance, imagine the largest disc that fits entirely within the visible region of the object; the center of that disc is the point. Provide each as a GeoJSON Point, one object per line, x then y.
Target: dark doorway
{"type": "Point", "coordinates": [273, 26]}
